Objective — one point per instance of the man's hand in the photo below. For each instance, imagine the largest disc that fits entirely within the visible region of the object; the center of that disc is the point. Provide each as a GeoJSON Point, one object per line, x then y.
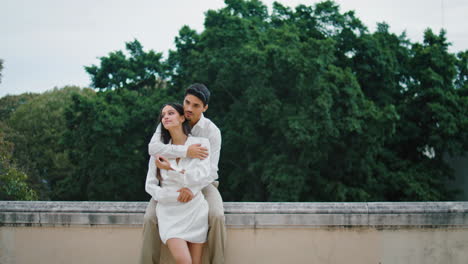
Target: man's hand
{"type": "Point", "coordinates": [162, 163]}
{"type": "Point", "coordinates": [196, 151]}
{"type": "Point", "coordinates": [185, 195]}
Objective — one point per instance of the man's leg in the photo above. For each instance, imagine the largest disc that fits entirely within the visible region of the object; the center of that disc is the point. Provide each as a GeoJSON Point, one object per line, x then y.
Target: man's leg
{"type": "Point", "coordinates": [151, 247]}
{"type": "Point", "coordinates": [217, 228]}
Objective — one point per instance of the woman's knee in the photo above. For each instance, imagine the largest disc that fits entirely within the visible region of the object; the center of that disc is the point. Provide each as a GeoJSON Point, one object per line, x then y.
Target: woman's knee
{"type": "Point", "coordinates": [182, 259]}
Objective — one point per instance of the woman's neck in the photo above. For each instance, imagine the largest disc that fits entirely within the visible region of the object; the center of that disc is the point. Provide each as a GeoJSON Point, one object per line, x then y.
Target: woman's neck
{"type": "Point", "coordinates": [178, 137]}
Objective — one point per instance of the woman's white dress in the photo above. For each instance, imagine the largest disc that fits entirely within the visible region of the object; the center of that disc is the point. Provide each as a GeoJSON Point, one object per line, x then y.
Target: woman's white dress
{"type": "Point", "coordinates": [188, 221]}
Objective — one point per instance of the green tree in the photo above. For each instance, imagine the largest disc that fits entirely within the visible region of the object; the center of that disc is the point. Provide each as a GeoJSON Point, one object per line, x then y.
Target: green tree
{"type": "Point", "coordinates": [108, 136]}
{"type": "Point", "coordinates": [13, 182]}
{"type": "Point", "coordinates": [1, 69]}
{"type": "Point", "coordinates": [381, 63]}
{"type": "Point", "coordinates": [37, 129]}
{"type": "Point", "coordinates": [461, 82]}
{"type": "Point", "coordinates": [9, 103]}
{"type": "Point", "coordinates": [321, 105]}
{"type": "Point", "coordinates": [325, 110]}
{"type": "Point", "coordinates": [279, 87]}
{"type": "Point", "coordinates": [141, 71]}
{"type": "Point", "coordinates": [433, 118]}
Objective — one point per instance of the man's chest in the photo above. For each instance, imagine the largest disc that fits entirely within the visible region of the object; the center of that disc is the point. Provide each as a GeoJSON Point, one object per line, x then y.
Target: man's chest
{"type": "Point", "coordinates": [198, 132]}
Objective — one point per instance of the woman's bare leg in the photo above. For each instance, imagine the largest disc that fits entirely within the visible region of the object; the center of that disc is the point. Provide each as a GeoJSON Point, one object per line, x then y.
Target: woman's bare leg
{"type": "Point", "coordinates": [179, 250]}
{"type": "Point", "coordinates": [196, 251]}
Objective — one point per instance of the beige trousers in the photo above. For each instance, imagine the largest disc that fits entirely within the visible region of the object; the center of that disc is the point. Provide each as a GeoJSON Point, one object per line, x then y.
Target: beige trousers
{"type": "Point", "coordinates": [153, 251]}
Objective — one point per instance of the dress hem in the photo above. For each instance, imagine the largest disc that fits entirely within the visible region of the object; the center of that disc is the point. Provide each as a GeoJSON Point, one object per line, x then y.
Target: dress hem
{"type": "Point", "coordinates": [165, 242]}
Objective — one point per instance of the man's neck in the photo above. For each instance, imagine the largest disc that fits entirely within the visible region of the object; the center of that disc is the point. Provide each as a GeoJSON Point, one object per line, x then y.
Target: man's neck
{"type": "Point", "coordinates": [194, 122]}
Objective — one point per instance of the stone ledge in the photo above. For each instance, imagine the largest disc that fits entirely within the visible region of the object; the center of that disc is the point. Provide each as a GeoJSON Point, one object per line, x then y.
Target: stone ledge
{"type": "Point", "coordinates": [246, 215]}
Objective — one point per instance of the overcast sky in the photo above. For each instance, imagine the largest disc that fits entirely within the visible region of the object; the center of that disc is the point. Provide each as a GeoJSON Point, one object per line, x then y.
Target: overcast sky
{"type": "Point", "coordinates": [46, 43]}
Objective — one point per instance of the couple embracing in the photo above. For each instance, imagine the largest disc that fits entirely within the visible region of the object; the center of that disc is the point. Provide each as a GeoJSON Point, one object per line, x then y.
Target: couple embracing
{"type": "Point", "coordinates": [186, 208]}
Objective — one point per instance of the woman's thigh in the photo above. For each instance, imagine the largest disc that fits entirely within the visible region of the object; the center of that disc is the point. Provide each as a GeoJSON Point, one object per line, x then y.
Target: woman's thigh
{"type": "Point", "coordinates": [196, 251]}
{"type": "Point", "coordinates": [179, 249]}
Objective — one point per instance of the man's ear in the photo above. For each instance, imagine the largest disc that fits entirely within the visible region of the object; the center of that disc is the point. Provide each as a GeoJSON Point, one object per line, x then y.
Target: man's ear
{"type": "Point", "coordinates": [205, 108]}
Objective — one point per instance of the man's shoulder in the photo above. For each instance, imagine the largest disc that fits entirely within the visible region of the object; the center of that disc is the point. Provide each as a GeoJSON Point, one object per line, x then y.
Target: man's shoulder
{"type": "Point", "coordinates": [211, 126]}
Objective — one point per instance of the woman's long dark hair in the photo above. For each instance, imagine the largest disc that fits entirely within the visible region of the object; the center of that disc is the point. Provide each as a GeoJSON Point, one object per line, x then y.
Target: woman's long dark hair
{"type": "Point", "coordinates": [165, 135]}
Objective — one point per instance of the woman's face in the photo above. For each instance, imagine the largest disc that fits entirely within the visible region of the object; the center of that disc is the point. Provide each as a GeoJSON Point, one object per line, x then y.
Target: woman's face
{"type": "Point", "coordinates": [170, 118]}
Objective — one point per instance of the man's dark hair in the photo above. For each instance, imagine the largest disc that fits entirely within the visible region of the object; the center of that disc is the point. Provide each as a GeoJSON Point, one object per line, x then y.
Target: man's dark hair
{"type": "Point", "coordinates": [200, 91]}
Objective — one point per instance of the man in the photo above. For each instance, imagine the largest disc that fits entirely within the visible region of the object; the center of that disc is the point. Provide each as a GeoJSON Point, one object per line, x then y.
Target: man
{"type": "Point", "coordinates": [195, 104]}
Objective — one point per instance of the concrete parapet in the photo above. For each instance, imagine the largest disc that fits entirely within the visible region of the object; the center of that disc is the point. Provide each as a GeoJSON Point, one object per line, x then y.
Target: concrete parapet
{"type": "Point", "coordinates": [331, 233]}
{"type": "Point", "coordinates": [245, 215]}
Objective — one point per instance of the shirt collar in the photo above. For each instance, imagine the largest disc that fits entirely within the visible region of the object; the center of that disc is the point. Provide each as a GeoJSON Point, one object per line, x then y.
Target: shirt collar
{"type": "Point", "coordinates": [201, 123]}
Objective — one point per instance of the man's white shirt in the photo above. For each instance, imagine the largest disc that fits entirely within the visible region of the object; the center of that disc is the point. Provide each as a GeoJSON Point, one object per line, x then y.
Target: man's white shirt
{"type": "Point", "coordinates": [203, 128]}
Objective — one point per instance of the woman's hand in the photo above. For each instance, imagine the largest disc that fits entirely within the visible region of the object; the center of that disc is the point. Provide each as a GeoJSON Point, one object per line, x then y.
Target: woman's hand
{"type": "Point", "coordinates": [163, 163]}
{"type": "Point", "coordinates": [185, 195]}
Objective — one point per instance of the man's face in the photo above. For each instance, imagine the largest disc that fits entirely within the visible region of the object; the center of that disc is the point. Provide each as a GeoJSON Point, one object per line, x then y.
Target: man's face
{"type": "Point", "coordinates": [193, 108]}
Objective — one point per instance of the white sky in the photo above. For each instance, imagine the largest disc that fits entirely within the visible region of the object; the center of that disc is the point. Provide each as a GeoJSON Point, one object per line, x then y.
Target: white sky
{"type": "Point", "coordinates": [46, 43]}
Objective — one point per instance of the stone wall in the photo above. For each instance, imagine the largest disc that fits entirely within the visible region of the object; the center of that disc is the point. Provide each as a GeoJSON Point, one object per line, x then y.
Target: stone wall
{"type": "Point", "coordinates": [110, 232]}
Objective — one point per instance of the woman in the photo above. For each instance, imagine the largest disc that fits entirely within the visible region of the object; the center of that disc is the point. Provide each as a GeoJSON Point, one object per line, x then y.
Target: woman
{"type": "Point", "coordinates": [183, 225]}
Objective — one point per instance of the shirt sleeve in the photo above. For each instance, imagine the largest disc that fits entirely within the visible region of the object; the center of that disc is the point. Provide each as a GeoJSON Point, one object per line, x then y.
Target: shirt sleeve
{"type": "Point", "coordinates": [157, 147]}
{"type": "Point", "coordinates": [215, 144]}
{"type": "Point", "coordinates": [197, 175]}
{"type": "Point", "coordinates": [152, 185]}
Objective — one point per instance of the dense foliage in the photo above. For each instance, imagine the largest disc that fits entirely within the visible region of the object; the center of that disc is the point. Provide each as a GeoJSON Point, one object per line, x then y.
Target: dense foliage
{"type": "Point", "coordinates": [312, 107]}
{"type": "Point", "coordinates": [37, 127]}
{"type": "Point", "coordinates": [108, 135]}
{"type": "Point", "coordinates": [13, 181]}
